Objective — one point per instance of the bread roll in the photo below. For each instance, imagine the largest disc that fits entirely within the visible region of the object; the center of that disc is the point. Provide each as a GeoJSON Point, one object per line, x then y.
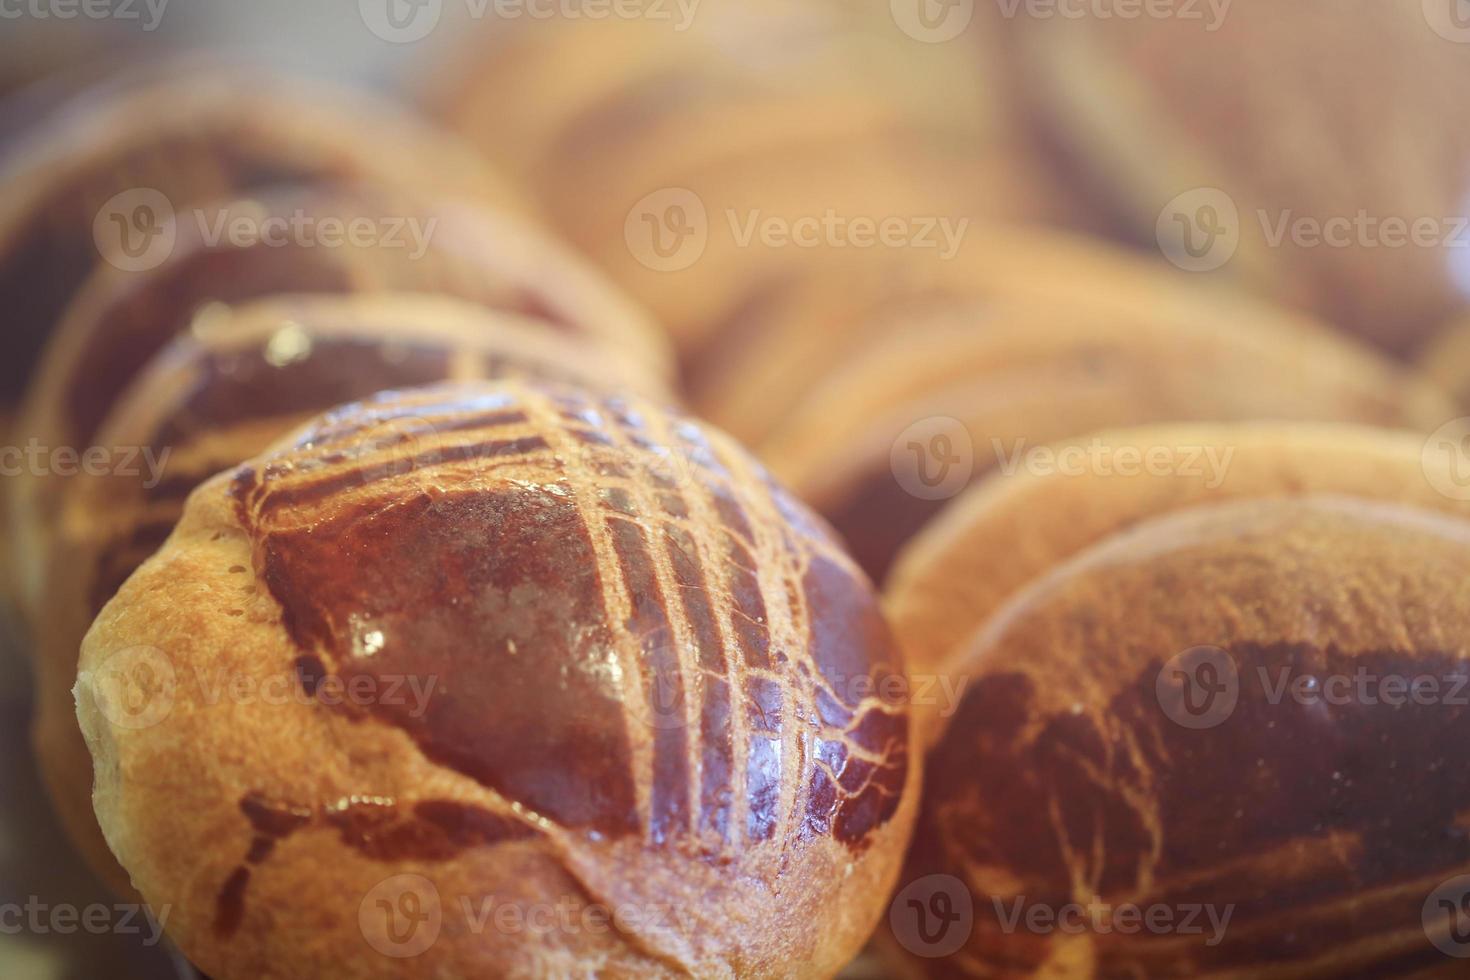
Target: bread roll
{"type": "Point", "coordinates": [658, 157]}
{"type": "Point", "coordinates": [412, 242]}
{"type": "Point", "coordinates": [798, 327]}
{"type": "Point", "coordinates": [1299, 144]}
{"type": "Point", "coordinates": [883, 443]}
{"type": "Point", "coordinates": [1222, 744]}
{"type": "Point", "coordinates": [213, 398]}
{"type": "Point", "coordinates": [99, 178]}
{"type": "Point", "coordinates": [1013, 527]}
{"type": "Point", "coordinates": [654, 684]}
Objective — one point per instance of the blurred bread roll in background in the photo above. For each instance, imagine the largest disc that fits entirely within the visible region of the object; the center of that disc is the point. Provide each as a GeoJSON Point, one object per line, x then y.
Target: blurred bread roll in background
{"type": "Point", "coordinates": [768, 358]}
{"type": "Point", "coordinates": [881, 444]}
{"type": "Point", "coordinates": [100, 176]}
{"type": "Point", "coordinates": [701, 161]}
{"type": "Point", "coordinates": [1306, 149]}
{"type": "Point", "coordinates": [278, 242]}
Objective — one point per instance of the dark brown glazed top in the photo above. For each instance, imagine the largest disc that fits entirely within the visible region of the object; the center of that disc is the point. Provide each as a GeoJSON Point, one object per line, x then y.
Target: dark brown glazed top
{"type": "Point", "coordinates": [1320, 819]}
{"type": "Point", "coordinates": [635, 632]}
{"type": "Point", "coordinates": [225, 398]}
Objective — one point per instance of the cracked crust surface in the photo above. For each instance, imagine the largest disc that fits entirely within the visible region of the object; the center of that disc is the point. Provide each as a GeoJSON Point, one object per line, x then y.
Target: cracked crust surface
{"type": "Point", "coordinates": [657, 684]}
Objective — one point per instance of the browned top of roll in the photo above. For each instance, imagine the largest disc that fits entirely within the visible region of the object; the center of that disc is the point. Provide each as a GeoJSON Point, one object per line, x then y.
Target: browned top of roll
{"type": "Point", "coordinates": [396, 528]}
{"type": "Point", "coordinates": [191, 135]}
{"type": "Point", "coordinates": [658, 676]}
{"type": "Point", "coordinates": [1176, 717]}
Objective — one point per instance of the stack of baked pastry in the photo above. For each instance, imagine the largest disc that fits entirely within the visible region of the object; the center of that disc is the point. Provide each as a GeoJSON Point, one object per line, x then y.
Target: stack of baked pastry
{"type": "Point", "coordinates": [398, 620]}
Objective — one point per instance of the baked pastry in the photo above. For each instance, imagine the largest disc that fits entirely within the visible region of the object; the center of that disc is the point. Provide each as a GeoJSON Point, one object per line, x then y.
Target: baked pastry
{"type": "Point", "coordinates": [215, 397]}
{"type": "Point", "coordinates": [1226, 745]}
{"type": "Point", "coordinates": [881, 445]}
{"type": "Point", "coordinates": [119, 319]}
{"type": "Point", "coordinates": [1011, 528]}
{"type": "Point", "coordinates": [98, 179]}
{"type": "Point", "coordinates": [1303, 151]}
{"type": "Point", "coordinates": [764, 142]}
{"type": "Point", "coordinates": [799, 327]}
{"type": "Point", "coordinates": [651, 681]}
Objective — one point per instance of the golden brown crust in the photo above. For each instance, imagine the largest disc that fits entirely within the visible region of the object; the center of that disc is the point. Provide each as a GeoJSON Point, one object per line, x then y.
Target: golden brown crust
{"type": "Point", "coordinates": [657, 691]}
{"type": "Point", "coordinates": [214, 397]}
{"type": "Point", "coordinates": [1254, 99]}
{"type": "Point", "coordinates": [1122, 784]}
{"type": "Point", "coordinates": [1013, 527]}
{"type": "Point", "coordinates": [191, 132]}
{"type": "Point", "coordinates": [1002, 378]}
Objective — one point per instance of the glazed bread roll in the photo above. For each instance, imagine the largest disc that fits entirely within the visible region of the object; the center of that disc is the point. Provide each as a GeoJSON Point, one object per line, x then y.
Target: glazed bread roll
{"type": "Point", "coordinates": [798, 328]}
{"type": "Point", "coordinates": [1013, 527]}
{"type": "Point", "coordinates": [1211, 712]}
{"type": "Point", "coordinates": [654, 682]}
{"type": "Point", "coordinates": [667, 159]}
{"type": "Point", "coordinates": [886, 440]}
{"type": "Point", "coordinates": [1307, 137]}
{"type": "Point", "coordinates": [119, 319]}
{"type": "Point", "coordinates": [213, 398]}
{"type": "Point", "coordinates": [99, 178]}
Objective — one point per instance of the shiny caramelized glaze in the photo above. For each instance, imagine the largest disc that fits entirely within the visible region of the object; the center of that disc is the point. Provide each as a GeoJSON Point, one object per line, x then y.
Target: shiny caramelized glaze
{"type": "Point", "coordinates": [1319, 822]}
{"type": "Point", "coordinates": [216, 399]}
{"type": "Point", "coordinates": [636, 633]}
